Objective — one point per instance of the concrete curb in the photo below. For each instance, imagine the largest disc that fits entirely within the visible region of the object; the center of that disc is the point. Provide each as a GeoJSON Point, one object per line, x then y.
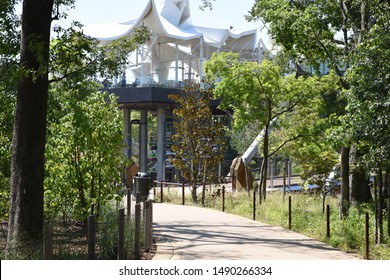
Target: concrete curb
{"type": "Point", "coordinates": [165, 251]}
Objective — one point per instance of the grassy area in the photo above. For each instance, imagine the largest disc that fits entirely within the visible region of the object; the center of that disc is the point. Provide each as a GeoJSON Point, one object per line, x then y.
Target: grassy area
{"type": "Point", "coordinates": [307, 218]}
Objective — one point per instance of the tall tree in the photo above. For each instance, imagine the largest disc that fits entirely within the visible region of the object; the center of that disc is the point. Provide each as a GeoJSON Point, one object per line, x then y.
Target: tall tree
{"type": "Point", "coordinates": [369, 99]}
{"type": "Point", "coordinates": [28, 144]}
{"type": "Point", "coordinates": [29, 134]}
{"type": "Point", "coordinates": [258, 93]}
{"type": "Point", "coordinates": [198, 142]}
{"type": "Point", "coordinates": [84, 158]}
{"type": "Point", "coordinates": [369, 94]}
{"type": "Point", "coordinates": [321, 32]}
{"type": "Point", "coordinates": [9, 50]}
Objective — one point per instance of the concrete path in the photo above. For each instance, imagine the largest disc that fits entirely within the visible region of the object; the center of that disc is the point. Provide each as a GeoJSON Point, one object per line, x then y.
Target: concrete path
{"type": "Point", "coordinates": [194, 233]}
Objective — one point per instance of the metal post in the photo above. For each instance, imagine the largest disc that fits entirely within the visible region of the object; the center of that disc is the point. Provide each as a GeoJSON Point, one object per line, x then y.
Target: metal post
{"type": "Point", "coordinates": [223, 198]}
{"type": "Point", "coordinates": [367, 236]}
{"type": "Point", "coordinates": [289, 212]}
{"type": "Point", "coordinates": [137, 234]}
{"type": "Point", "coordinates": [161, 192]}
{"type": "Point", "coordinates": [91, 237]}
{"type": "Point", "coordinates": [182, 194]}
{"type": "Point", "coordinates": [121, 234]}
{"type": "Point", "coordinates": [254, 205]}
{"type": "Point", "coordinates": [328, 221]}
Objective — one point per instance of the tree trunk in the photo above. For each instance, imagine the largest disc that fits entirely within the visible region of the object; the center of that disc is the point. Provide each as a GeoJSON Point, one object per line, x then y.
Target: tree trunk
{"type": "Point", "coordinates": [284, 177]}
{"type": "Point", "coordinates": [204, 183]}
{"type": "Point", "coordinates": [344, 204]}
{"type": "Point", "coordinates": [360, 189]}
{"type": "Point", "coordinates": [194, 194]}
{"type": "Point", "coordinates": [388, 202]}
{"type": "Point", "coordinates": [28, 144]}
{"type": "Point", "coordinates": [361, 192]}
{"type": "Point", "coordinates": [265, 163]}
{"type": "Point", "coordinates": [380, 207]}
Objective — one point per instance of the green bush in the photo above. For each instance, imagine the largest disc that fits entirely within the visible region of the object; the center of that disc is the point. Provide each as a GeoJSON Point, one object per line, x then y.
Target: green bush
{"type": "Point", "coordinates": [107, 236]}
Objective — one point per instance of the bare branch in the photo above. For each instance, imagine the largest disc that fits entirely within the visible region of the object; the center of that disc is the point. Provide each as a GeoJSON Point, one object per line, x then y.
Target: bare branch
{"type": "Point", "coordinates": [284, 143]}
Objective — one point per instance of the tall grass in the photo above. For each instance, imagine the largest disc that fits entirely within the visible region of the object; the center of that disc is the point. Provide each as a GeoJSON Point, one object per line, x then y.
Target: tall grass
{"type": "Point", "coordinates": [307, 218]}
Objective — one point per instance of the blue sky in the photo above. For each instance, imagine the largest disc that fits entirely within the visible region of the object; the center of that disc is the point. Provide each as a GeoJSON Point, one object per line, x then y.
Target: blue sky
{"type": "Point", "coordinates": [226, 13]}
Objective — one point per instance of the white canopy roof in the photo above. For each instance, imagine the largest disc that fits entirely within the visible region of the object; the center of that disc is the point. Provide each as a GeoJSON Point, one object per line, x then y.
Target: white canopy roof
{"type": "Point", "coordinates": [175, 38]}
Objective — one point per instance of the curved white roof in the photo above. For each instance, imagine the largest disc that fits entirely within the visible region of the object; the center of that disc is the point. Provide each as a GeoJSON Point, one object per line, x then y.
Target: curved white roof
{"type": "Point", "coordinates": [170, 24]}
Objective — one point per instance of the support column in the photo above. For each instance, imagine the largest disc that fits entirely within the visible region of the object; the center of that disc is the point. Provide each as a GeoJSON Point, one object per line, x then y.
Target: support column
{"type": "Point", "coordinates": [201, 61]}
{"type": "Point", "coordinates": [159, 64]}
{"type": "Point", "coordinates": [142, 80]}
{"type": "Point", "coordinates": [127, 133]}
{"type": "Point", "coordinates": [177, 64]}
{"type": "Point", "coordinates": [259, 51]}
{"type": "Point", "coordinates": [160, 143]}
{"type": "Point", "coordinates": [182, 71]}
{"type": "Point", "coordinates": [143, 141]}
{"type": "Point", "coordinates": [189, 70]}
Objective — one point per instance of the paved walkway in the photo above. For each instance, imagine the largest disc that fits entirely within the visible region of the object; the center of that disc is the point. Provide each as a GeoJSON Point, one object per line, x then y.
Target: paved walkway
{"type": "Point", "coordinates": [194, 233]}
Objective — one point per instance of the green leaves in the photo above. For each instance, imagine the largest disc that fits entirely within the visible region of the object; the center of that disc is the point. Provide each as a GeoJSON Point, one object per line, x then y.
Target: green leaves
{"type": "Point", "coordinates": [84, 156]}
{"type": "Point", "coordinates": [351, 35]}
{"type": "Point", "coordinates": [260, 94]}
{"type": "Point", "coordinates": [369, 95]}
{"type": "Point", "coordinates": [198, 143]}
{"type": "Point", "coordinates": [9, 48]}
{"type": "Point", "coordinates": [75, 55]}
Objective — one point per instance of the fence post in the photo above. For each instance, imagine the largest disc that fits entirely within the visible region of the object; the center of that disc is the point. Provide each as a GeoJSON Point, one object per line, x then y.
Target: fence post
{"type": "Point", "coordinates": [161, 192]}
{"type": "Point", "coordinates": [138, 198]}
{"type": "Point", "coordinates": [147, 225]}
{"type": "Point", "coordinates": [182, 194]}
{"type": "Point", "coordinates": [128, 202]}
{"type": "Point", "coordinates": [223, 198]}
{"type": "Point", "coordinates": [328, 221]}
{"type": "Point", "coordinates": [289, 212]}
{"type": "Point", "coordinates": [91, 237]}
{"type": "Point", "coordinates": [254, 205]}
{"type": "Point", "coordinates": [151, 222]}
{"type": "Point", "coordinates": [121, 234]}
{"type": "Point", "coordinates": [367, 236]}
{"type": "Point", "coordinates": [48, 242]}
{"type": "Point", "coordinates": [137, 233]}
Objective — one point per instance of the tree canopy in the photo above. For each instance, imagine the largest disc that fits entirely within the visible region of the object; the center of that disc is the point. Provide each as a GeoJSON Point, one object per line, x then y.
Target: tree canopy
{"type": "Point", "coordinates": [330, 34]}
{"type": "Point", "coordinates": [198, 142]}
{"type": "Point", "coordinates": [260, 93]}
{"type": "Point", "coordinates": [70, 58]}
